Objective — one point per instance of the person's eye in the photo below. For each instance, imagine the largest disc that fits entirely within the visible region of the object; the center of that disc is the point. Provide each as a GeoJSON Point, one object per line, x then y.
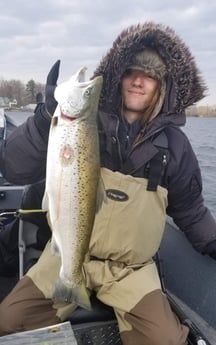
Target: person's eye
{"type": "Point", "coordinates": [127, 73]}
{"type": "Point", "coordinates": [150, 77]}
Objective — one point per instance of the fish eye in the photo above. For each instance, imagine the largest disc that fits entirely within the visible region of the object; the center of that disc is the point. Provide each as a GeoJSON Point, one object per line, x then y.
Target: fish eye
{"type": "Point", "coordinates": [87, 92]}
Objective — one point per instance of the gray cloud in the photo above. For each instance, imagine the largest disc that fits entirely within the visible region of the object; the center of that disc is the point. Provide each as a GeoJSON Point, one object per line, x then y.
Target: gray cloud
{"type": "Point", "coordinates": [33, 35]}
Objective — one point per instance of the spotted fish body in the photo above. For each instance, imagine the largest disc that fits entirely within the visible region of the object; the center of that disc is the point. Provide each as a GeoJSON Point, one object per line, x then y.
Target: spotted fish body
{"type": "Point", "coordinates": [72, 181]}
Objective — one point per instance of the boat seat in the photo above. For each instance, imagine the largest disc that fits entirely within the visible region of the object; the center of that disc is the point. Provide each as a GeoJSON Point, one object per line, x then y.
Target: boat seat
{"type": "Point", "coordinates": [28, 255]}
{"type": "Point", "coordinates": [34, 233]}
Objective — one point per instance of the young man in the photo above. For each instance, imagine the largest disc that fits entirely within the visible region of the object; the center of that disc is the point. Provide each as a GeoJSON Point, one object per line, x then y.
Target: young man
{"type": "Point", "coordinates": [150, 78]}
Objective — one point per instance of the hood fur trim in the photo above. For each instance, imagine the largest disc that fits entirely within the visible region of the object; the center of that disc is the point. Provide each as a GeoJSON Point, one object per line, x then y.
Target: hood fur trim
{"type": "Point", "coordinates": [183, 76]}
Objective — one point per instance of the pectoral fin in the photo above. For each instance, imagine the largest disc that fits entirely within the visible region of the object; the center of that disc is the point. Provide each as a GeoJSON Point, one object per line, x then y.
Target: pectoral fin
{"type": "Point", "coordinates": [101, 194]}
{"type": "Point", "coordinates": [45, 202]}
{"type": "Point", "coordinates": [54, 247]}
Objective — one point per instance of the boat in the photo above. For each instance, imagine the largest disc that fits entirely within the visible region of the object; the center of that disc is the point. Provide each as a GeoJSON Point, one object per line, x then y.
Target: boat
{"type": "Point", "coordinates": [187, 277]}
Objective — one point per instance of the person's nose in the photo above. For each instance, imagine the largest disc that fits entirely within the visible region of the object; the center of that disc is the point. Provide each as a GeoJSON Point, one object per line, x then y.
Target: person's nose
{"type": "Point", "coordinates": [138, 81]}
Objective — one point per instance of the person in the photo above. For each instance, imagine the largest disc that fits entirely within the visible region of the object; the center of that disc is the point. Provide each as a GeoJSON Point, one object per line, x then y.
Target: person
{"type": "Point", "coordinates": [149, 79]}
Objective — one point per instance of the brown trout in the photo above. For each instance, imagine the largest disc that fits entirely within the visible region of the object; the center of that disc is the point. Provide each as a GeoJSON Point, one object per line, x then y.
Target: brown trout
{"type": "Point", "coordinates": [73, 181]}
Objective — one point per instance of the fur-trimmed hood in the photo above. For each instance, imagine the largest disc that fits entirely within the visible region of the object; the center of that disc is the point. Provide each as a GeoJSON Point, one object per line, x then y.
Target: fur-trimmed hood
{"type": "Point", "coordinates": [184, 82]}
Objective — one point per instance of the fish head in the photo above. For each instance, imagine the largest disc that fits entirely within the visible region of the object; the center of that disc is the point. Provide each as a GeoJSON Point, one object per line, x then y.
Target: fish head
{"type": "Point", "coordinates": [78, 98]}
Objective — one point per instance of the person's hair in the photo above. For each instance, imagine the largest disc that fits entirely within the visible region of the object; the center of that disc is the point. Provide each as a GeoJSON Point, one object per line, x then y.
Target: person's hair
{"type": "Point", "coordinates": [147, 114]}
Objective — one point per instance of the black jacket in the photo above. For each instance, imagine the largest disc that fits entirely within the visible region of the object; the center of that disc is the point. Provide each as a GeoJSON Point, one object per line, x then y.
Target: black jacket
{"type": "Point", "coordinates": [23, 155]}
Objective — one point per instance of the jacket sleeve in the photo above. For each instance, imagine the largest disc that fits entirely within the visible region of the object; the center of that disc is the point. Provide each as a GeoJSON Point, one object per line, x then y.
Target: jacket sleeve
{"type": "Point", "coordinates": [23, 153]}
{"type": "Point", "coordinates": [185, 201]}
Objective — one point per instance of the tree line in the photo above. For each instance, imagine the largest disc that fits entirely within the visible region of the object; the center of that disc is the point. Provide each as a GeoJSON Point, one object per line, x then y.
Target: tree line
{"type": "Point", "coordinates": [23, 93]}
{"type": "Point", "coordinates": [202, 111]}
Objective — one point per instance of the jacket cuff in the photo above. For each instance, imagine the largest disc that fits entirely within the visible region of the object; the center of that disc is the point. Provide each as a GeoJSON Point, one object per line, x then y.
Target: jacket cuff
{"type": "Point", "coordinates": [210, 249]}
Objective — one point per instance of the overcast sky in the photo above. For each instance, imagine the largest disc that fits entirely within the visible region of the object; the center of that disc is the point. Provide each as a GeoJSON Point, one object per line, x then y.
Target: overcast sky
{"type": "Point", "coordinates": [34, 34]}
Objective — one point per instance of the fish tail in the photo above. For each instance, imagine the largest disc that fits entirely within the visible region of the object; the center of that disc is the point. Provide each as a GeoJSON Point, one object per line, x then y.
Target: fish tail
{"type": "Point", "coordinates": [78, 295]}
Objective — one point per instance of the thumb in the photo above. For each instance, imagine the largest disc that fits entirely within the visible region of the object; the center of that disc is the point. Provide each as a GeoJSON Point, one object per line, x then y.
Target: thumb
{"type": "Point", "coordinates": [53, 74]}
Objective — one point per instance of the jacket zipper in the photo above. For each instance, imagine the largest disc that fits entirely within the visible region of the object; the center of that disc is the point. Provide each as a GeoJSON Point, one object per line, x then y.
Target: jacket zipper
{"type": "Point", "coordinates": [118, 143]}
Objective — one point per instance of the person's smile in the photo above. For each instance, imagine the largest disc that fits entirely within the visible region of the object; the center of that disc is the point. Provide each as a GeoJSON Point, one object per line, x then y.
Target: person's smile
{"type": "Point", "coordinates": [135, 92]}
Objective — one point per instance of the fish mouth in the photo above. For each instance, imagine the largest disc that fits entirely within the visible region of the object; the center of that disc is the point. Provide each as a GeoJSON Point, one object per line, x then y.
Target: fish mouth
{"type": "Point", "coordinates": [68, 117]}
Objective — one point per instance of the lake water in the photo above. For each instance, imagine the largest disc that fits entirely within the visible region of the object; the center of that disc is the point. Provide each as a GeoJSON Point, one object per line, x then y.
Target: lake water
{"type": "Point", "coordinates": [202, 135]}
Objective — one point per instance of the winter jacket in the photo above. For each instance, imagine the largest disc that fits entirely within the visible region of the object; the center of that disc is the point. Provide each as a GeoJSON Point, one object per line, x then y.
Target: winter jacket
{"type": "Point", "coordinates": [23, 155]}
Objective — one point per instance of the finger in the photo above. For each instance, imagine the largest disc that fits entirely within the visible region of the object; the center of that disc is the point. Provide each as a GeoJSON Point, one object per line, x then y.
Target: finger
{"type": "Point", "coordinates": [53, 74]}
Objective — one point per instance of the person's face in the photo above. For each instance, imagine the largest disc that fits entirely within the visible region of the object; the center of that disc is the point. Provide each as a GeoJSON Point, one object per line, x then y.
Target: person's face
{"type": "Point", "coordinates": [138, 90]}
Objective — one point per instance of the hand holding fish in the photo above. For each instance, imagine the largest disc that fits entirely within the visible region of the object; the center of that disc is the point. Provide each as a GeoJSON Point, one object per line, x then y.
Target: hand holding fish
{"type": "Point", "coordinates": [51, 83]}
